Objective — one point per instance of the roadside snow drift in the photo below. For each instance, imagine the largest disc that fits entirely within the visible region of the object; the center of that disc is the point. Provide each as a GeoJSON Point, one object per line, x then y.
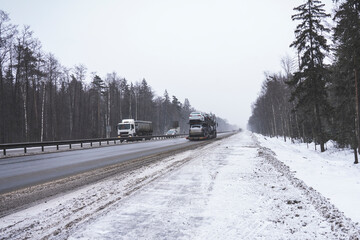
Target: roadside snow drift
{"type": "Point", "coordinates": [332, 173]}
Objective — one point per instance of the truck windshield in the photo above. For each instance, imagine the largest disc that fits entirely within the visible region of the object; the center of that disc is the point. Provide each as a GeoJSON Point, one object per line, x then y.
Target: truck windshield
{"type": "Point", "coordinates": [124, 126]}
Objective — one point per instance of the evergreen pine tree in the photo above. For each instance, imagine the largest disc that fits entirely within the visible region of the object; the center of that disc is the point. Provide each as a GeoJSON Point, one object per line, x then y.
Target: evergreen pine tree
{"type": "Point", "coordinates": [309, 82]}
{"type": "Point", "coordinates": [347, 52]}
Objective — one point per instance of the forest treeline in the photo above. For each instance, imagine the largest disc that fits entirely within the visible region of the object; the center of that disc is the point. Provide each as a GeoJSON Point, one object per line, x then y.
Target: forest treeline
{"type": "Point", "coordinates": [313, 100]}
{"type": "Point", "coordinates": [41, 100]}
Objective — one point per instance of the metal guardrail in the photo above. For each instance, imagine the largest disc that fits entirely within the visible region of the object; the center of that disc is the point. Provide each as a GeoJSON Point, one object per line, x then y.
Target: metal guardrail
{"type": "Point", "coordinates": [7, 146]}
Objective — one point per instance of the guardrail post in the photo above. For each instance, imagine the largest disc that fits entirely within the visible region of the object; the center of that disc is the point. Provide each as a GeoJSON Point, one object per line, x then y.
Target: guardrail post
{"type": "Point", "coordinates": [4, 150]}
{"type": "Point", "coordinates": [114, 141]}
{"type": "Point", "coordinates": [57, 146]}
{"type": "Point", "coordinates": [42, 148]}
{"type": "Point", "coordinates": [100, 143]}
{"type": "Point", "coordinates": [107, 142]}
{"type": "Point", "coordinates": [90, 144]}
{"type": "Point", "coordinates": [70, 145]}
{"type": "Point", "coordinates": [81, 144]}
{"type": "Point", "coordinates": [24, 149]}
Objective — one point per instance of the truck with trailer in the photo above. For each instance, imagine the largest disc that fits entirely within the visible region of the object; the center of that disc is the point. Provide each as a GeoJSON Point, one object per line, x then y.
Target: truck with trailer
{"type": "Point", "coordinates": [202, 126]}
{"type": "Point", "coordinates": [129, 128]}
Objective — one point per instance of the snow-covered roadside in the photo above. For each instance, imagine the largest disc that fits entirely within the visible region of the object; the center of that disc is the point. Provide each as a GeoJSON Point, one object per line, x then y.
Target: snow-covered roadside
{"type": "Point", "coordinates": [230, 189]}
{"type": "Point", "coordinates": [331, 173]}
{"type": "Point", "coordinates": [230, 192]}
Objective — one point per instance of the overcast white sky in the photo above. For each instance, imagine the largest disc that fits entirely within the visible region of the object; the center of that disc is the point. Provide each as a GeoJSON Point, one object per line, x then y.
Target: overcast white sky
{"type": "Point", "coordinates": [213, 52]}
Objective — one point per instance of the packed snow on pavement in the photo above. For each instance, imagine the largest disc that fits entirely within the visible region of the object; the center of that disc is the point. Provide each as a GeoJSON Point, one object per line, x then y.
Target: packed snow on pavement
{"type": "Point", "coordinates": [235, 188]}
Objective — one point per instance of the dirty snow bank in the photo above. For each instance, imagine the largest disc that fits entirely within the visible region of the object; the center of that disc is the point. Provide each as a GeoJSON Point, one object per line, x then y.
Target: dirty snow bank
{"type": "Point", "coordinates": [332, 173]}
{"type": "Point", "coordinates": [232, 191]}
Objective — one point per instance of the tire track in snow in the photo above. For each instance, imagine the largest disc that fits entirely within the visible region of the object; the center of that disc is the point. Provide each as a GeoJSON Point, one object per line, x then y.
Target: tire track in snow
{"type": "Point", "coordinates": [89, 202]}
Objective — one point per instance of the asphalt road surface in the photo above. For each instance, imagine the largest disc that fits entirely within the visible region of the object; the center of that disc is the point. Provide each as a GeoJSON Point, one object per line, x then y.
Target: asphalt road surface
{"type": "Point", "coordinates": [25, 171]}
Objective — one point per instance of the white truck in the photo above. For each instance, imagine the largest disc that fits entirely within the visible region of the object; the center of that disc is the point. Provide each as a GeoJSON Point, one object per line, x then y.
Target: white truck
{"type": "Point", "coordinates": [135, 128]}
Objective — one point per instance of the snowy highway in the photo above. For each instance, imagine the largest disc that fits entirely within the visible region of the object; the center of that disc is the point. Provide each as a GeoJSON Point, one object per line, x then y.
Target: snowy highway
{"type": "Point", "coordinates": [234, 188]}
{"type": "Point", "coordinates": [25, 171]}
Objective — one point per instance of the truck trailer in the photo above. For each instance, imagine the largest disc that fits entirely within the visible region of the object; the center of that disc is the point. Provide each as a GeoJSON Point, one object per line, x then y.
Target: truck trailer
{"type": "Point", "coordinates": [202, 126]}
{"type": "Point", "coordinates": [135, 128]}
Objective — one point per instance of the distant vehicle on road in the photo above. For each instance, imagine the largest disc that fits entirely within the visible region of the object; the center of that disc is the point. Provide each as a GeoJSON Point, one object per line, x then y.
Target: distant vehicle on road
{"type": "Point", "coordinates": [202, 126]}
{"type": "Point", "coordinates": [135, 128]}
{"type": "Point", "coordinates": [172, 131]}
